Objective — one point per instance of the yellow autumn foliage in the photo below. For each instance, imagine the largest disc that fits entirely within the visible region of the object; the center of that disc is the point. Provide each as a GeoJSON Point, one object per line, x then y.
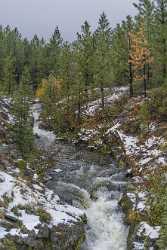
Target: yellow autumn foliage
{"type": "Point", "coordinates": [52, 84]}
{"type": "Point", "coordinates": [140, 53]}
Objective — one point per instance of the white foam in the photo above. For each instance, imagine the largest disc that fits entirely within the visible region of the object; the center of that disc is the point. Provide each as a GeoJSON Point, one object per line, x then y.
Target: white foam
{"type": "Point", "coordinates": [107, 230]}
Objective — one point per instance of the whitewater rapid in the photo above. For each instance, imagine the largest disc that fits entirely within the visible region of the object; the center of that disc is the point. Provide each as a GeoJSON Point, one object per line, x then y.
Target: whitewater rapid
{"type": "Point", "coordinates": [78, 172]}
{"type": "Point", "coordinates": [106, 230]}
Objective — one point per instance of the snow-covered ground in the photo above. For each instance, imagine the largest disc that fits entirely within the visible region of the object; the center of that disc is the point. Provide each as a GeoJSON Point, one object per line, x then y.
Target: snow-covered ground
{"type": "Point", "coordinates": [20, 196]}
{"type": "Point", "coordinates": [91, 108]}
{"type": "Point", "coordinates": [143, 154]}
{"type": "Point", "coordinates": [21, 200]}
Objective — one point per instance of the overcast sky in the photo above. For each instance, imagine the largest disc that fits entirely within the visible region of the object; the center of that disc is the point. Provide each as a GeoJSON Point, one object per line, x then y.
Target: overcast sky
{"type": "Point", "coordinates": [41, 16]}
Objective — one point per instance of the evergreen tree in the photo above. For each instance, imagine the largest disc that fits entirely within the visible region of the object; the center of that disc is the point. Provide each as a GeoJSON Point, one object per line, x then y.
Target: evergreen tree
{"type": "Point", "coordinates": [66, 71]}
{"type": "Point", "coordinates": [161, 22]}
{"type": "Point", "coordinates": [120, 53]}
{"type": "Point", "coordinates": [54, 51]}
{"type": "Point", "coordinates": [85, 60]}
{"type": "Point", "coordinates": [130, 66]}
{"type": "Point", "coordinates": [102, 59]}
{"type": "Point", "coordinates": [22, 131]}
{"type": "Point", "coordinates": [9, 77]}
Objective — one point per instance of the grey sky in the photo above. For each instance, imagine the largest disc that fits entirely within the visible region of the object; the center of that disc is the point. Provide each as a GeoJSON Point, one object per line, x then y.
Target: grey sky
{"type": "Point", "coordinates": [41, 16]}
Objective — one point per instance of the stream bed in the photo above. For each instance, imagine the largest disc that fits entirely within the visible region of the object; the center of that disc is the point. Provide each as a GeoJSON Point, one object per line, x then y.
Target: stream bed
{"type": "Point", "coordinates": [91, 182]}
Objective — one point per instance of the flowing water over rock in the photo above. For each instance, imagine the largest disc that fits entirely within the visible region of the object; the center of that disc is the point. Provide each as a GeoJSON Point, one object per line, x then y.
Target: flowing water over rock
{"type": "Point", "coordinates": [91, 182]}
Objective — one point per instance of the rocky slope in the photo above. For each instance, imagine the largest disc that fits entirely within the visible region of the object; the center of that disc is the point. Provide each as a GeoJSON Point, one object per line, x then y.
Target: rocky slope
{"type": "Point", "coordinates": [22, 202]}
{"type": "Point", "coordinates": [142, 152]}
{"type": "Point", "coordinates": [31, 215]}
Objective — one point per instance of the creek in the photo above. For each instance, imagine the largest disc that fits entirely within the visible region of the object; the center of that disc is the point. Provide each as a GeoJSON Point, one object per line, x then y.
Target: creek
{"type": "Point", "coordinates": [91, 182]}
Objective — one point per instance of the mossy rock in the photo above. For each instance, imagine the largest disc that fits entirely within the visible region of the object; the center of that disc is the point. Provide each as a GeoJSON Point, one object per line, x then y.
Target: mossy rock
{"type": "Point", "coordinates": [44, 216]}
{"type": "Point", "coordinates": [126, 203]}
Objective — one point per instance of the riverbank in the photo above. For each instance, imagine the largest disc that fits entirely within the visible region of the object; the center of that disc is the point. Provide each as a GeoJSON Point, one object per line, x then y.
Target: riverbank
{"type": "Point", "coordinates": [143, 151]}
{"type": "Point", "coordinates": [32, 216]}
{"type": "Point", "coordinates": [84, 184]}
{"type": "Point", "coordinates": [81, 184]}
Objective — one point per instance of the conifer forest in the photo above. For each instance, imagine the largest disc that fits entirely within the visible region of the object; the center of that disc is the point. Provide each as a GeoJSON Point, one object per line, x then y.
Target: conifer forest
{"type": "Point", "coordinates": [83, 135]}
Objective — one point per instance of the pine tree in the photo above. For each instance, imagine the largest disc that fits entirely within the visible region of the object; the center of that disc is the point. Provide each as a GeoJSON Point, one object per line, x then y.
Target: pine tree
{"type": "Point", "coordinates": [54, 51]}
{"type": "Point", "coordinates": [161, 21]}
{"type": "Point", "coordinates": [85, 60]}
{"type": "Point", "coordinates": [102, 63]}
{"type": "Point", "coordinates": [26, 79]}
{"type": "Point", "coordinates": [22, 132]}
{"type": "Point", "coordinates": [121, 72]}
{"type": "Point", "coordinates": [66, 71]}
{"type": "Point", "coordinates": [129, 30]}
{"type": "Point", "coordinates": [9, 77]}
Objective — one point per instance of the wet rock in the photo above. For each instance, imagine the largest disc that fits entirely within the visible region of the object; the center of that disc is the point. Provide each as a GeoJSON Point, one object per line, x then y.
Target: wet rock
{"type": "Point", "coordinates": [67, 238]}
{"type": "Point", "coordinates": [61, 237]}
{"type": "Point", "coordinates": [43, 232]}
{"type": "Point", "coordinates": [2, 179]}
{"type": "Point", "coordinates": [11, 218]}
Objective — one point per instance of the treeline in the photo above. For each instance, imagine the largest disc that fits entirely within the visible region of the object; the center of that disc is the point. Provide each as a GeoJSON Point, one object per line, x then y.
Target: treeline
{"type": "Point", "coordinates": [97, 58]}
{"type": "Point", "coordinates": [134, 53]}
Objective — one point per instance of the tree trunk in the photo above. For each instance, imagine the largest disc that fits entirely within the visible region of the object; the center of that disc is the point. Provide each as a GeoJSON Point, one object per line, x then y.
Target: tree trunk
{"type": "Point", "coordinates": [163, 23]}
{"type": "Point", "coordinates": [131, 80]}
{"type": "Point", "coordinates": [145, 81]}
{"type": "Point", "coordinates": [79, 108]}
{"type": "Point", "coordinates": [86, 88]}
{"type": "Point", "coordinates": [102, 96]}
{"type": "Point", "coordinates": [148, 76]}
{"type": "Point", "coordinates": [164, 59]}
{"type": "Point", "coordinates": [131, 92]}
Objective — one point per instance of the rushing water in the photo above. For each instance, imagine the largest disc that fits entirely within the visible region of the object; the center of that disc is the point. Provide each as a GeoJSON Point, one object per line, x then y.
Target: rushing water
{"type": "Point", "coordinates": [93, 183]}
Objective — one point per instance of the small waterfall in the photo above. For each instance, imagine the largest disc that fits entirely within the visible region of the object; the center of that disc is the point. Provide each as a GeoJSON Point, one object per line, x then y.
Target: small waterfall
{"type": "Point", "coordinates": [106, 230]}
{"type": "Point", "coordinates": [47, 137]}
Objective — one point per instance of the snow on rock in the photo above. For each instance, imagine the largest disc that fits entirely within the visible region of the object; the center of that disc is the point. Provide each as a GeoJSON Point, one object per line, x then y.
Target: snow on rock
{"type": "Point", "coordinates": [138, 245]}
{"type": "Point", "coordinates": [139, 200]}
{"type": "Point", "coordinates": [29, 220]}
{"type": "Point", "coordinates": [148, 231]}
{"type": "Point", "coordinates": [146, 152]}
{"type": "Point", "coordinates": [5, 108]}
{"type": "Point", "coordinates": [91, 108]}
{"type": "Point", "coordinates": [113, 129]}
{"type": "Point", "coordinates": [20, 195]}
{"type": "Point", "coordinates": [130, 143]}
{"type": "Point", "coordinates": [58, 170]}
{"type": "Point", "coordinates": [6, 183]}
{"type": "Point", "coordinates": [87, 134]}
{"type": "Point", "coordinates": [142, 199]}
{"type": "Point", "coordinates": [3, 232]}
